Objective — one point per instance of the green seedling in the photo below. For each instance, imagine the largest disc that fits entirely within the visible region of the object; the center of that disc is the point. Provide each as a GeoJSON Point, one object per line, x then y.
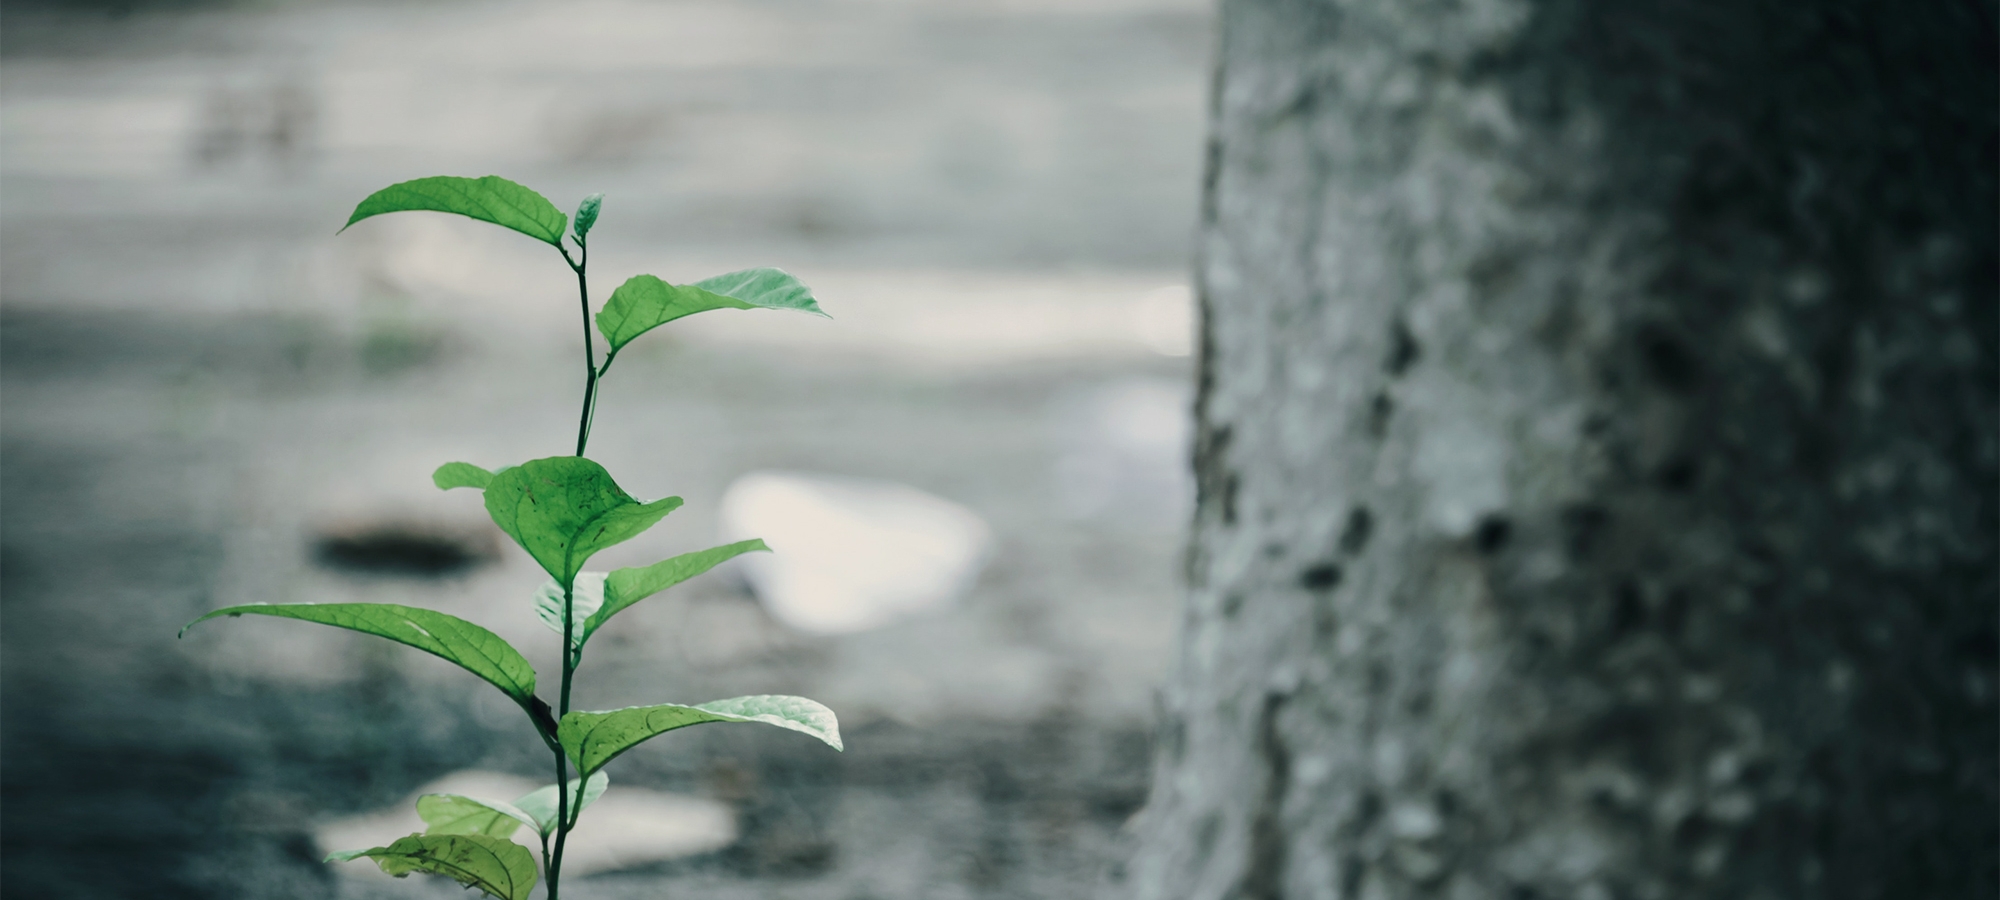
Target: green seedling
{"type": "Point", "coordinates": [561, 510]}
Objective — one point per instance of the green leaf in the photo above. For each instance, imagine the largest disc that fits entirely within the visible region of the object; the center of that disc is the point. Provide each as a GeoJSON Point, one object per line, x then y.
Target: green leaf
{"type": "Point", "coordinates": [473, 648]}
{"type": "Point", "coordinates": [498, 866]}
{"type": "Point", "coordinates": [625, 587]}
{"type": "Point", "coordinates": [586, 215]}
{"type": "Point", "coordinates": [587, 596]}
{"type": "Point", "coordinates": [764, 288]}
{"type": "Point", "coordinates": [595, 738]}
{"type": "Point", "coordinates": [489, 199]}
{"type": "Point", "coordinates": [540, 803]}
{"type": "Point", "coordinates": [644, 302]}
{"type": "Point", "coordinates": [563, 509]}
{"type": "Point", "coordinates": [459, 814]}
{"type": "Point", "coordinates": [459, 474]}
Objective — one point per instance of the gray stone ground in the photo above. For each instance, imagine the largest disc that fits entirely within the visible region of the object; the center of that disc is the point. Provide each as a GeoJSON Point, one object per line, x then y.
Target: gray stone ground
{"type": "Point", "coordinates": [199, 385]}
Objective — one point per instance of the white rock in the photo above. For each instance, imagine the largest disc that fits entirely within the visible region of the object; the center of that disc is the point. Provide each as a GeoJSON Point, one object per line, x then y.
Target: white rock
{"type": "Point", "coordinates": [851, 554]}
{"type": "Point", "coordinates": [630, 827]}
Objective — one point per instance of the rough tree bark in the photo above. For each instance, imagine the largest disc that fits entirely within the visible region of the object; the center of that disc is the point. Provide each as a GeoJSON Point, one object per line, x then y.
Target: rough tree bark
{"type": "Point", "coordinates": [1597, 452]}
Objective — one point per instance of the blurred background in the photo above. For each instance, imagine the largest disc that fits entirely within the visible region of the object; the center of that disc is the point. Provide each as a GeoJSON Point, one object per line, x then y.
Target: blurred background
{"type": "Point", "coordinates": [209, 399]}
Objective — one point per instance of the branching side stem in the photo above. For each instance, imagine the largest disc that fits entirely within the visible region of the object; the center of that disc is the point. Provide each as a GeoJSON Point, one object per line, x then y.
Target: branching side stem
{"type": "Point", "coordinates": [589, 344]}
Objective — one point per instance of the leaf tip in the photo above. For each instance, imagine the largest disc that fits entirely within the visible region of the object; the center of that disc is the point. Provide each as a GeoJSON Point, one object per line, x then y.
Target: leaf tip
{"type": "Point", "coordinates": [185, 628]}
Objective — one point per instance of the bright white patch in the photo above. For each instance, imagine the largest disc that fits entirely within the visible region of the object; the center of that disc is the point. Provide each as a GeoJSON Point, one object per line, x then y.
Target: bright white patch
{"type": "Point", "coordinates": [851, 554]}
{"type": "Point", "coordinates": [1164, 320]}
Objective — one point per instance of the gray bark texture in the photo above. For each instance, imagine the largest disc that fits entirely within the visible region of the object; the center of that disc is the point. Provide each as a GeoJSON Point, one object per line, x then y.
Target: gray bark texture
{"type": "Point", "coordinates": [1597, 457]}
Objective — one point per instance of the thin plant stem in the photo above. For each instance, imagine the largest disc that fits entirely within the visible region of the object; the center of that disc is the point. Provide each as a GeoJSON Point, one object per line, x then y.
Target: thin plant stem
{"type": "Point", "coordinates": [564, 820]}
{"type": "Point", "coordinates": [589, 345]}
{"type": "Point", "coordinates": [555, 860]}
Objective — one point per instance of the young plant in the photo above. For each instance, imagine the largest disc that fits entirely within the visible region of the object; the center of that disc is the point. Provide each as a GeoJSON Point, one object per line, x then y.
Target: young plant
{"type": "Point", "coordinates": [561, 510]}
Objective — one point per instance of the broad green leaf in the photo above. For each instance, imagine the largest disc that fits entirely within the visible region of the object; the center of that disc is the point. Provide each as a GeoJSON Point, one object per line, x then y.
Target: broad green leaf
{"type": "Point", "coordinates": [563, 509]}
{"type": "Point", "coordinates": [586, 215]}
{"type": "Point", "coordinates": [459, 814]}
{"type": "Point", "coordinates": [498, 866]}
{"type": "Point", "coordinates": [489, 199]}
{"type": "Point", "coordinates": [473, 648]}
{"type": "Point", "coordinates": [595, 738]}
{"type": "Point", "coordinates": [540, 803]}
{"type": "Point", "coordinates": [625, 587]}
{"type": "Point", "coordinates": [459, 474]}
{"type": "Point", "coordinates": [644, 302]}
{"type": "Point", "coordinates": [586, 598]}
{"type": "Point", "coordinates": [764, 288]}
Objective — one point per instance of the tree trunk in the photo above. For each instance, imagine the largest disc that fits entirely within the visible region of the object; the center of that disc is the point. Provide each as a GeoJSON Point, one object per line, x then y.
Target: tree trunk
{"type": "Point", "coordinates": [1597, 457]}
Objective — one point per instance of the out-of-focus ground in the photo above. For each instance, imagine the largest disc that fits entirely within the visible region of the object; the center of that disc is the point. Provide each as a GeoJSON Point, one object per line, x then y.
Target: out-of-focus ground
{"type": "Point", "coordinates": [205, 391]}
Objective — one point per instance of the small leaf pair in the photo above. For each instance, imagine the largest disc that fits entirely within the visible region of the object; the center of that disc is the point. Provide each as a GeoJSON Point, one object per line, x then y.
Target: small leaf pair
{"type": "Point", "coordinates": [565, 509]}
{"type": "Point", "coordinates": [459, 814]}
{"type": "Point", "coordinates": [597, 596]}
{"type": "Point", "coordinates": [640, 304]}
{"type": "Point", "coordinates": [467, 838]}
